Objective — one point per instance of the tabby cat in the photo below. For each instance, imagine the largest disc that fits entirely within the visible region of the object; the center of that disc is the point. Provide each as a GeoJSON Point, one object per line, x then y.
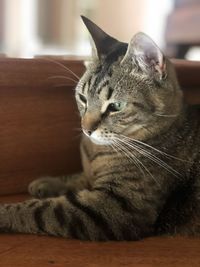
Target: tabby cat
{"type": "Point", "coordinates": [140, 153]}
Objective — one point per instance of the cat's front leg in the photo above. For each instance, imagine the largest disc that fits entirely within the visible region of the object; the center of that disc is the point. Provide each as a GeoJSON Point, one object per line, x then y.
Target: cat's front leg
{"type": "Point", "coordinates": [88, 215]}
{"type": "Point", "coordinates": [34, 216]}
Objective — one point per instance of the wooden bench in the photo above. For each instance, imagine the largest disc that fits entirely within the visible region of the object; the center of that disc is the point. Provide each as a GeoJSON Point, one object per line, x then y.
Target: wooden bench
{"type": "Point", "coordinates": [38, 136]}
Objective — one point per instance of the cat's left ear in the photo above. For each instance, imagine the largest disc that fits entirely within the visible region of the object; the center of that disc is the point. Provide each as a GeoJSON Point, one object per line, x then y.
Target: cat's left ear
{"type": "Point", "coordinates": [147, 56]}
{"type": "Point", "coordinates": [104, 43]}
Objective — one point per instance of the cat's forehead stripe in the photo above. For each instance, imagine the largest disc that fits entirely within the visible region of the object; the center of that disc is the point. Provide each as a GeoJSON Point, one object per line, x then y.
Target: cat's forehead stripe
{"type": "Point", "coordinates": [102, 85]}
{"type": "Point", "coordinates": [103, 73]}
{"type": "Point", "coordinates": [86, 86]}
{"type": "Point", "coordinates": [110, 91]}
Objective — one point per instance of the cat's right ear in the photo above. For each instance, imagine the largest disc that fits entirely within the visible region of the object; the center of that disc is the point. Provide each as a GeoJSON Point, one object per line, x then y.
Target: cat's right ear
{"type": "Point", "coordinates": [147, 56]}
{"type": "Point", "coordinates": [103, 42]}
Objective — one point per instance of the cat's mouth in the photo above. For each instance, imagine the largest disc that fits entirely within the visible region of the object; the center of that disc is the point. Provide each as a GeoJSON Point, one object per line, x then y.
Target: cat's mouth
{"type": "Point", "coordinates": [99, 137]}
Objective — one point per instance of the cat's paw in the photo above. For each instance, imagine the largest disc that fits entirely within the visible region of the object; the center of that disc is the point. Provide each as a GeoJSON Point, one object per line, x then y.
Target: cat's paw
{"type": "Point", "coordinates": [5, 225]}
{"type": "Point", "coordinates": [47, 187]}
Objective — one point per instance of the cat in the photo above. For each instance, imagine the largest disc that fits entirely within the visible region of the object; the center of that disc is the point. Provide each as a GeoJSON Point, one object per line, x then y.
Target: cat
{"type": "Point", "coordinates": [140, 153]}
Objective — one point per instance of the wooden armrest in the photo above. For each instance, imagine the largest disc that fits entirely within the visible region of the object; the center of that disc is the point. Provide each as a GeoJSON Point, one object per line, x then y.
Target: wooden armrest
{"type": "Point", "coordinates": [38, 121]}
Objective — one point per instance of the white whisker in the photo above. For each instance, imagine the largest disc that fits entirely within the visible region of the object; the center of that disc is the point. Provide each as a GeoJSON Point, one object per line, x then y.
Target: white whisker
{"type": "Point", "coordinates": [62, 77]}
{"type": "Point", "coordinates": [154, 158]}
{"type": "Point", "coordinates": [145, 168]}
{"type": "Point", "coordinates": [166, 115]}
{"type": "Point", "coordinates": [149, 155]}
{"type": "Point", "coordinates": [63, 66]}
{"type": "Point", "coordinates": [153, 148]}
{"type": "Point", "coordinates": [136, 161]}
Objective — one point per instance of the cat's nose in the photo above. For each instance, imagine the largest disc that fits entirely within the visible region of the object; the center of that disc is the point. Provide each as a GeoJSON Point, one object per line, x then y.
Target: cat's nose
{"type": "Point", "coordinates": [90, 123]}
{"type": "Point", "coordinates": [89, 132]}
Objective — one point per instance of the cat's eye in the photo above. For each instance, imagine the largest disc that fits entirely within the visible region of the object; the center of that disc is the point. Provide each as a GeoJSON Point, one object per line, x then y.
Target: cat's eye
{"type": "Point", "coordinates": [116, 106]}
{"type": "Point", "coordinates": [83, 98]}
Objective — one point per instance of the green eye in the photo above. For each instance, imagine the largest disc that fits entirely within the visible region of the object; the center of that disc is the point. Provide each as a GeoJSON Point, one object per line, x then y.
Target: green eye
{"type": "Point", "coordinates": [116, 106]}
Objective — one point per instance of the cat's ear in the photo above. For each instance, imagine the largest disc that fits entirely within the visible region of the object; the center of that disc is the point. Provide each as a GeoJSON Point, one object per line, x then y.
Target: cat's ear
{"type": "Point", "coordinates": [146, 55]}
{"type": "Point", "coordinates": [104, 43]}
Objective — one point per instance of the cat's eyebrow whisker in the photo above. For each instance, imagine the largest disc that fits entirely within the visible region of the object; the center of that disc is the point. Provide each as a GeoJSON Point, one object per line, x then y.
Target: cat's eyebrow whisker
{"type": "Point", "coordinates": [62, 77]}
{"type": "Point", "coordinates": [60, 85]}
{"type": "Point", "coordinates": [61, 65]}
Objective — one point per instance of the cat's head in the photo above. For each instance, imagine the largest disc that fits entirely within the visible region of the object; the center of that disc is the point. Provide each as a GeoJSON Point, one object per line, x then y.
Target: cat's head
{"type": "Point", "coordinates": [127, 89]}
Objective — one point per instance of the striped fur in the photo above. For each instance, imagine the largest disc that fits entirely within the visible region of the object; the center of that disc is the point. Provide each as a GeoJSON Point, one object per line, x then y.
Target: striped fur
{"type": "Point", "coordinates": [140, 164]}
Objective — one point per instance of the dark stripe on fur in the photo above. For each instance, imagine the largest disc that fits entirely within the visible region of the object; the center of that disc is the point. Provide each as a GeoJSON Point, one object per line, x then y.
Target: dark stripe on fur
{"type": "Point", "coordinates": [122, 201]}
{"type": "Point", "coordinates": [77, 228]}
{"type": "Point", "coordinates": [110, 91]}
{"type": "Point", "coordinates": [33, 203]}
{"type": "Point", "coordinates": [129, 175]}
{"type": "Point", "coordinates": [89, 81]}
{"type": "Point", "coordinates": [83, 88]}
{"type": "Point", "coordinates": [60, 215]}
{"type": "Point", "coordinates": [96, 217]}
{"type": "Point", "coordinates": [38, 216]}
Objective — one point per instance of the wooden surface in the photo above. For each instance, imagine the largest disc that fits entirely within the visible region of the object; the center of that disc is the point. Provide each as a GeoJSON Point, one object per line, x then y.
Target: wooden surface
{"type": "Point", "coordinates": [32, 251]}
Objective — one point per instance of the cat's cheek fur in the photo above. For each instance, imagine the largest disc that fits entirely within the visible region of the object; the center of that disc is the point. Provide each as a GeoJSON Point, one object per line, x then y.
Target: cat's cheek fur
{"type": "Point", "coordinates": [97, 138]}
{"type": "Point", "coordinates": [5, 224]}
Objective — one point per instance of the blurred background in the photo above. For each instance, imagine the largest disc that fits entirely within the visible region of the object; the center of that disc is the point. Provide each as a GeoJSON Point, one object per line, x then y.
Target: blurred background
{"type": "Point", "coordinates": [53, 27]}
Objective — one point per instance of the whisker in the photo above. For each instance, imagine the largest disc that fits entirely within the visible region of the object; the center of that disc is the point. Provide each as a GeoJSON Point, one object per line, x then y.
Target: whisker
{"type": "Point", "coordinates": [165, 115]}
{"type": "Point", "coordinates": [147, 170]}
{"type": "Point", "coordinates": [131, 156]}
{"type": "Point", "coordinates": [123, 151]}
{"type": "Point", "coordinates": [158, 161]}
{"type": "Point", "coordinates": [62, 65]}
{"type": "Point", "coordinates": [62, 77]}
{"type": "Point", "coordinates": [153, 148]}
{"type": "Point", "coordinates": [152, 157]}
